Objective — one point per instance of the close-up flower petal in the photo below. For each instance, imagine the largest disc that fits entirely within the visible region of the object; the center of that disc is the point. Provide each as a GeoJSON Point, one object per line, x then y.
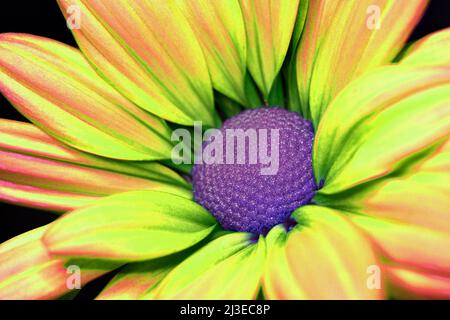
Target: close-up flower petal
{"type": "Point", "coordinates": [55, 87]}
{"type": "Point", "coordinates": [311, 261]}
{"type": "Point", "coordinates": [229, 267]}
{"type": "Point", "coordinates": [150, 53]}
{"type": "Point", "coordinates": [344, 39]}
{"type": "Point", "coordinates": [38, 171]}
{"type": "Point", "coordinates": [28, 271]}
{"type": "Point", "coordinates": [155, 224]}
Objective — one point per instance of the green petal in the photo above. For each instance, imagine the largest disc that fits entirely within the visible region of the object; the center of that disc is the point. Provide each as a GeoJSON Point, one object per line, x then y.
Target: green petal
{"type": "Point", "coordinates": [220, 30]}
{"type": "Point", "coordinates": [135, 279]}
{"type": "Point", "coordinates": [148, 51]}
{"type": "Point", "coordinates": [55, 87]}
{"type": "Point", "coordinates": [323, 257]}
{"type": "Point", "coordinates": [38, 171]}
{"type": "Point", "coordinates": [131, 226]}
{"type": "Point", "coordinates": [432, 50]}
{"type": "Point", "coordinates": [345, 39]}
{"type": "Point", "coordinates": [269, 26]}
{"type": "Point", "coordinates": [27, 271]}
{"type": "Point", "coordinates": [380, 122]}
{"type": "Point", "coordinates": [229, 267]}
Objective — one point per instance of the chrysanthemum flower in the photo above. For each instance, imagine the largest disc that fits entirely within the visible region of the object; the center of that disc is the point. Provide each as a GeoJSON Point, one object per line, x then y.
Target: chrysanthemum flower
{"type": "Point", "coordinates": [359, 208]}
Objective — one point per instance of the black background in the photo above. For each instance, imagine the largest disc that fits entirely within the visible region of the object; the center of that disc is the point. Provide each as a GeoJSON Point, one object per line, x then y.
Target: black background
{"type": "Point", "coordinates": [44, 18]}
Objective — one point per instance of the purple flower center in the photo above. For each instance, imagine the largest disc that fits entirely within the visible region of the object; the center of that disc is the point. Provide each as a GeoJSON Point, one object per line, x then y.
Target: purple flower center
{"type": "Point", "coordinates": [275, 178]}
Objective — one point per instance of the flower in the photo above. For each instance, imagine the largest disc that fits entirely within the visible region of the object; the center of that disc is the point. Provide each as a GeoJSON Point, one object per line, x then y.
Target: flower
{"type": "Point", "coordinates": [100, 147]}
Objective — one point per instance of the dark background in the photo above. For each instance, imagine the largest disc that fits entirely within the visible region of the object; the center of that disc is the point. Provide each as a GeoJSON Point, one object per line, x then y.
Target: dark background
{"type": "Point", "coordinates": [44, 18]}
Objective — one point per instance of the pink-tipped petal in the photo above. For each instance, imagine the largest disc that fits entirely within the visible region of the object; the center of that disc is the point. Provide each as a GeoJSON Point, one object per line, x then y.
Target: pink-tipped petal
{"type": "Point", "coordinates": [130, 226]}
{"type": "Point", "coordinates": [150, 53]}
{"type": "Point", "coordinates": [269, 26]}
{"type": "Point", "coordinates": [412, 284]}
{"type": "Point", "coordinates": [38, 171]}
{"type": "Point", "coordinates": [220, 30]}
{"type": "Point", "coordinates": [324, 257]}
{"type": "Point", "coordinates": [432, 50]}
{"type": "Point", "coordinates": [56, 88]}
{"type": "Point", "coordinates": [27, 271]}
{"type": "Point", "coordinates": [344, 39]}
{"type": "Point", "coordinates": [382, 122]}
{"type": "Point", "coordinates": [230, 267]}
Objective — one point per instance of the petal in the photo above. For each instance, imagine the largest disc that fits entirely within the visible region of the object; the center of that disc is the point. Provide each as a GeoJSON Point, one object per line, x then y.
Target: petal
{"type": "Point", "coordinates": [324, 257]}
{"type": "Point", "coordinates": [55, 87]}
{"type": "Point", "coordinates": [229, 267]}
{"type": "Point", "coordinates": [342, 40]}
{"type": "Point", "coordinates": [220, 30]}
{"type": "Point", "coordinates": [431, 50]}
{"type": "Point", "coordinates": [132, 226]}
{"type": "Point", "coordinates": [38, 171]}
{"type": "Point", "coordinates": [410, 284]}
{"type": "Point", "coordinates": [135, 279]}
{"type": "Point", "coordinates": [380, 122]}
{"type": "Point", "coordinates": [151, 55]}
{"type": "Point", "coordinates": [421, 196]}
{"type": "Point", "coordinates": [409, 245]}
{"type": "Point", "coordinates": [27, 271]}
{"type": "Point", "coordinates": [269, 26]}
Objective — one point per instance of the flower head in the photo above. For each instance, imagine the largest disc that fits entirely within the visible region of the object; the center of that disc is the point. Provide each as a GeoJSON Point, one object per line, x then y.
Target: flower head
{"type": "Point", "coordinates": [347, 195]}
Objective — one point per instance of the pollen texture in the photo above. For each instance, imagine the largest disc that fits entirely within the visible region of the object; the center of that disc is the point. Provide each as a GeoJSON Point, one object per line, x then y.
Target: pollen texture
{"type": "Point", "coordinates": [253, 196]}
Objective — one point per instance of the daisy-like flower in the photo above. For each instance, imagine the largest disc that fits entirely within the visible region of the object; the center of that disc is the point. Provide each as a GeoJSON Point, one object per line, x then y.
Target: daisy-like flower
{"type": "Point", "coordinates": [358, 207]}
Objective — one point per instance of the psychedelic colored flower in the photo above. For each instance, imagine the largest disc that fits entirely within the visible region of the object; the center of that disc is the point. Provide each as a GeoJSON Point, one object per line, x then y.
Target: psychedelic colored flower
{"type": "Point", "coordinates": [357, 209]}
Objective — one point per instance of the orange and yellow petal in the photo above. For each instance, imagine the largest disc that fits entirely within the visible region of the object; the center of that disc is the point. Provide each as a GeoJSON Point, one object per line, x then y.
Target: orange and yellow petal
{"type": "Point", "coordinates": [220, 30]}
{"type": "Point", "coordinates": [38, 171]}
{"type": "Point", "coordinates": [381, 124]}
{"type": "Point", "coordinates": [28, 271]}
{"type": "Point", "coordinates": [432, 50]}
{"type": "Point", "coordinates": [269, 26]}
{"type": "Point", "coordinates": [138, 279]}
{"type": "Point", "coordinates": [131, 226]}
{"type": "Point", "coordinates": [230, 267]}
{"type": "Point", "coordinates": [344, 39]}
{"type": "Point", "coordinates": [420, 196]}
{"type": "Point", "coordinates": [148, 51]}
{"type": "Point", "coordinates": [324, 257]}
{"type": "Point", "coordinates": [55, 87]}
{"type": "Point", "coordinates": [412, 284]}
{"type": "Point", "coordinates": [410, 245]}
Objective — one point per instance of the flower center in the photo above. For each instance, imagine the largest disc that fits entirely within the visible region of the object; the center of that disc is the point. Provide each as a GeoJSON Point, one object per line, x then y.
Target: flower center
{"type": "Point", "coordinates": [259, 173]}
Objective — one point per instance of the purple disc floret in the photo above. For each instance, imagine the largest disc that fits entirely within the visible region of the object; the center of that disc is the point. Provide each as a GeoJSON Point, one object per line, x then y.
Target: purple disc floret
{"type": "Point", "coordinates": [239, 196]}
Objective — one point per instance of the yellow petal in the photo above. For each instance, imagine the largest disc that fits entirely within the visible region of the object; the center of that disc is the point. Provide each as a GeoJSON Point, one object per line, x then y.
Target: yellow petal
{"type": "Point", "coordinates": [432, 50]}
{"type": "Point", "coordinates": [324, 257]}
{"type": "Point", "coordinates": [220, 30]}
{"type": "Point", "coordinates": [38, 171]}
{"type": "Point", "coordinates": [27, 271]}
{"type": "Point", "coordinates": [344, 39]}
{"type": "Point", "coordinates": [229, 267]}
{"type": "Point", "coordinates": [148, 51]}
{"type": "Point", "coordinates": [56, 88]}
{"type": "Point", "coordinates": [269, 26]}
